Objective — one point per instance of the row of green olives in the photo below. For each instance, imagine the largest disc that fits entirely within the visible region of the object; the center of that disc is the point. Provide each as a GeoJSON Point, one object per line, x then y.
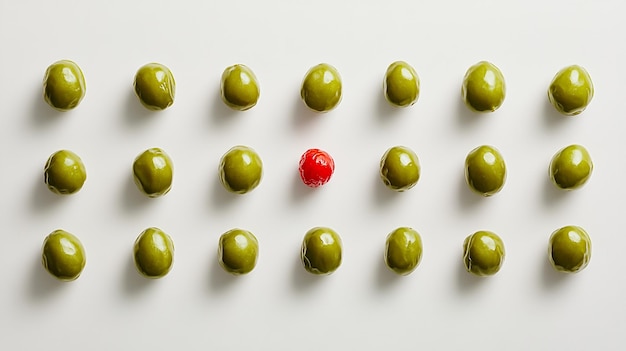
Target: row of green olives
{"type": "Point", "coordinates": [63, 255]}
{"type": "Point", "coordinates": [483, 88]}
{"type": "Point", "coordinates": [485, 170]}
{"type": "Point", "coordinates": [241, 170]}
{"type": "Point", "coordinates": [569, 251]}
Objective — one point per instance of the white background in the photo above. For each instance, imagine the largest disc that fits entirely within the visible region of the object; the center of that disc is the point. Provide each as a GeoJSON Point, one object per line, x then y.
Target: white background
{"type": "Point", "coordinates": [526, 306]}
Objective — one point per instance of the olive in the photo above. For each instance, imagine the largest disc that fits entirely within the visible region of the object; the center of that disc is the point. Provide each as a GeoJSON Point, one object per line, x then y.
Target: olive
{"type": "Point", "coordinates": [64, 85]}
{"type": "Point", "coordinates": [241, 169]}
{"type": "Point", "coordinates": [321, 251]}
{"type": "Point", "coordinates": [483, 253]}
{"type": "Point", "coordinates": [571, 167]}
{"type": "Point", "coordinates": [63, 255]}
{"type": "Point", "coordinates": [400, 168]}
{"type": "Point", "coordinates": [403, 250]}
{"type": "Point", "coordinates": [571, 90]}
{"type": "Point", "coordinates": [64, 173]}
{"type": "Point", "coordinates": [401, 84]}
{"type": "Point", "coordinates": [569, 249]}
{"type": "Point", "coordinates": [485, 170]}
{"type": "Point", "coordinates": [153, 172]}
{"type": "Point", "coordinates": [155, 86]}
{"type": "Point", "coordinates": [238, 251]}
{"type": "Point", "coordinates": [239, 87]}
{"type": "Point", "coordinates": [483, 87]}
{"type": "Point", "coordinates": [153, 253]}
{"type": "Point", "coordinates": [321, 88]}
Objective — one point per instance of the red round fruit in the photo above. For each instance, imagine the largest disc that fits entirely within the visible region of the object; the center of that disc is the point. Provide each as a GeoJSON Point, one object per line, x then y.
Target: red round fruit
{"type": "Point", "coordinates": [316, 167]}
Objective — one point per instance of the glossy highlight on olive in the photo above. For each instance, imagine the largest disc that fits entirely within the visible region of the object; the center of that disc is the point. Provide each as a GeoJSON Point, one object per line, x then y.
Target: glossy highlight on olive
{"type": "Point", "coordinates": [153, 253]}
{"type": "Point", "coordinates": [64, 85]}
{"type": "Point", "coordinates": [239, 87]}
{"type": "Point", "coordinates": [321, 88]}
{"type": "Point", "coordinates": [483, 253]}
{"type": "Point", "coordinates": [569, 249]}
{"type": "Point", "coordinates": [403, 250]}
{"type": "Point", "coordinates": [238, 251]}
{"type": "Point", "coordinates": [153, 172]}
{"type": "Point", "coordinates": [571, 90]}
{"type": "Point", "coordinates": [401, 85]}
{"type": "Point", "coordinates": [64, 173]}
{"type": "Point", "coordinates": [321, 251]}
{"type": "Point", "coordinates": [63, 255]}
{"type": "Point", "coordinates": [485, 170]}
{"type": "Point", "coordinates": [400, 168]}
{"type": "Point", "coordinates": [484, 88]}
{"type": "Point", "coordinates": [241, 169]}
{"type": "Point", "coordinates": [155, 86]}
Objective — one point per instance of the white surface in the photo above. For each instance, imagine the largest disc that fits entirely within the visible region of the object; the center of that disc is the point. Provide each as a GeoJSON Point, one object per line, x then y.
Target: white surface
{"type": "Point", "coordinates": [279, 306]}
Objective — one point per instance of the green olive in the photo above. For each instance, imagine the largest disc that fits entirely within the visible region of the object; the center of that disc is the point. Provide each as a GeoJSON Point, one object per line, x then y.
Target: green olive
{"type": "Point", "coordinates": [239, 87]}
{"type": "Point", "coordinates": [321, 251]}
{"type": "Point", "coordinates": [571, 167]}
{"type": "Point", "coordinates": [154, 253]}
{"type": "Point", "coordinates": [569, 249]}
{"type": "Point", "coordinates": [483, 253]}
{"type": "Point", "coordinates": [64, 173]}
{"type": "Point", "coordinates": [401, 84]}
{"type": "Point", "coordinates": [238, 251]}
{"type": "Point", "coordinates": [400, 168]}
{"type": "Point", "coordinates": [155, 86]}
{"type": "Point", "coordinates": [63, 255]}
{"type": "Point", "coordinates": [485, 170]}
{"type": "Point", "coordinates": [483, 88]}
{"type": "Point", "coordinates": [64, 85]}
{"type": "Point", "coordinates": [403, 250]}
{"type": "Point", "coordinates": [571, 90]}
{"type": "Point", "coordinates": [153, 172]}
{"type": "Point", "coordinates": [321, 88]}
{"type": "Point", "coordinates": [241, 169]}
